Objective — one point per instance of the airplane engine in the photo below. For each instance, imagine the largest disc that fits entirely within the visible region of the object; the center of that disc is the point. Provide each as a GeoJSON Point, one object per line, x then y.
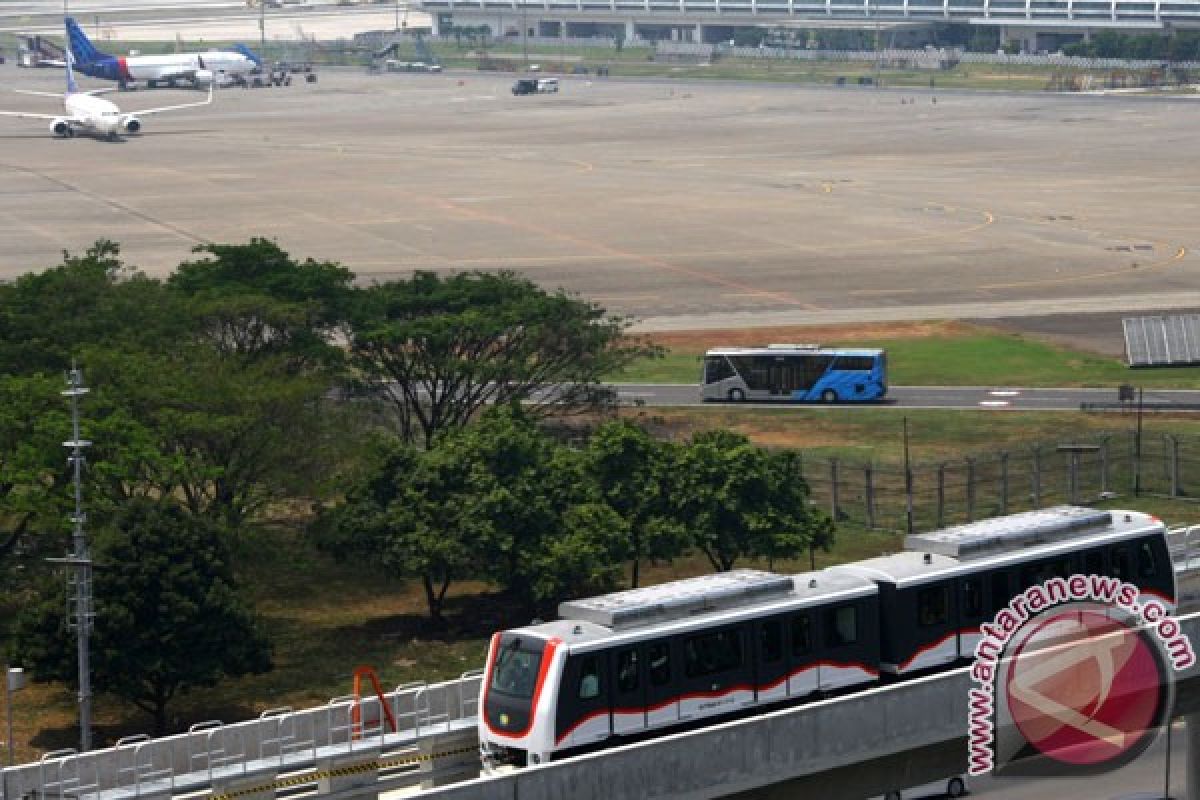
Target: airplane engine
{"type": "Point", "coordinates": [203, 77]}
{"type": "Point", "coordinates": [132, 124]}
{"type": "Point", "coordinates": [60, 127]}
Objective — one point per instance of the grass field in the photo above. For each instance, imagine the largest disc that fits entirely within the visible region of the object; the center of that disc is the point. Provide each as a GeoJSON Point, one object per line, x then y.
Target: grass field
{"type": "Point", "coordinates": [946, 354]}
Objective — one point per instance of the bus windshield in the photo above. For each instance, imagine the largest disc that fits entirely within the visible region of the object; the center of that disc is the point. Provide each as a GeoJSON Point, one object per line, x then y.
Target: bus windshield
{"type": "Point", "coordinates": [516, 668]}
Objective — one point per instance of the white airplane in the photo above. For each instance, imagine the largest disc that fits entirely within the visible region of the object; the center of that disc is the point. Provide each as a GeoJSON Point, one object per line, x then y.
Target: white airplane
{"type": "Point", "coordinates": [196, 69]}
{"type": "Point", "coordinates": [86, 112]}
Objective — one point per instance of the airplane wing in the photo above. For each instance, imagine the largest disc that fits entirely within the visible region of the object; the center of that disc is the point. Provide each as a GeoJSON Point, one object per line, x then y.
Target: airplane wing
{"type": "Point", "coordinates": [147, 111]}
{"type": "Point", "coordinates": [26, 115]}
{"type": "Point", "coordinates": [55, 95]}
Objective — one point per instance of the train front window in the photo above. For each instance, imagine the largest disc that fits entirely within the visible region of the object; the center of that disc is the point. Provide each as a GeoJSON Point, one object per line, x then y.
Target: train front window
{"type": "Point", "coordinates": [516, 668]}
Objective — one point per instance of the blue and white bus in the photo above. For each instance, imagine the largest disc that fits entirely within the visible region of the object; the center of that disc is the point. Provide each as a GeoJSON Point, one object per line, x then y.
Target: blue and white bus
{"type": "Point", "coordinates": [801, 373]}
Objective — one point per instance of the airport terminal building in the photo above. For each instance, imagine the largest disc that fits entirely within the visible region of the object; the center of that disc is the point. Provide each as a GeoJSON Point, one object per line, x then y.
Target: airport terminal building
{"type": "Point", "coordinates": [1034, 25]}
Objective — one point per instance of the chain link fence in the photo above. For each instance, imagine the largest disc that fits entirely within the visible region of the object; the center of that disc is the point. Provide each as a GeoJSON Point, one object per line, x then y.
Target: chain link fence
{"type": "Point", "coordinates": [1082, 470]}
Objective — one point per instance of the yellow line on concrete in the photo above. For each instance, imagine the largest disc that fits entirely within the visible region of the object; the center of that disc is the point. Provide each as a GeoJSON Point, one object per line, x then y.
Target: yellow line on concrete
{"type": "Point", "coordinates": [1166, 262]}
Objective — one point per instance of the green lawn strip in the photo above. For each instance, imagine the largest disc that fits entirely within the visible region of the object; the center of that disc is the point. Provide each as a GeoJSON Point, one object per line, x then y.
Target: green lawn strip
{"type": "Point", "coordinates": [975, 359]}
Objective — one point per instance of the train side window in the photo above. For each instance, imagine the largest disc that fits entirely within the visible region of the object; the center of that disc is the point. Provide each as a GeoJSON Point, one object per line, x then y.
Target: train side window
{"type": "Point", "coordinates": [659, 656]}
{"type": "Point", "coordinates": [801, 635]}
{"type": "Point", "coordinates": [1093, 562]}
{"type": "Point", "coordinates": [1000, 591]}
{"type": "Point", "coordinates": [711, 653]}
{"type": "Point", "coordinates": [1121, 566]}
{"type": "Point", "coordinates": [771, 641]}
{"type": "Point", "coordinates": [1147, 567]}
{"type": "Point", "coordinates": [589, 678]}
{"type": "Point", "coordinates": [842, 626]}
{"type": "Point", "coordinates": [627, 671]}
{"type": "Point", "coordinates": [972, 598]}
{"type": "Point", "coordinates": [933, 606]}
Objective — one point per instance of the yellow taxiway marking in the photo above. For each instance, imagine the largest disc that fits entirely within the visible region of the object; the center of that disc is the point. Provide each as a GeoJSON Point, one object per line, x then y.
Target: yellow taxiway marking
{"type": "Point", "coordinates": [1166, 262]}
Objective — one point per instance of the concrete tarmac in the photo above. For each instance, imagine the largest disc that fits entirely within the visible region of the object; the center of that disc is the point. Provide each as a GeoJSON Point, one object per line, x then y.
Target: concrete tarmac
{"type": "Point", "coordinates": [723, 203]}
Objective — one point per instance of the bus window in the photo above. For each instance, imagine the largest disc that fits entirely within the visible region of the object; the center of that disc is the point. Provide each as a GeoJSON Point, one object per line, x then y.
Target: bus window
{"type": "Point", "coordinates": [1000, 590]}
{"type": "Point", "coordinates": [972, 598]}
{"type": "Point", "coordinates": [801, 635]}
{"type": "Point", "coordinates": [771, 641]}
{"type": "Point", "coordinates": [1093, 562]}
{"type": "Point", "coordinates": [627, 670]}
{"type": "Point", "coordinates": [933, 606]}
{"type": "Point", "coordinates": [1121, 566]}
{"type": "Point", "coordinates": [711, 653]}
{"type": "Point", "coordinates": [841, 625]}
{"type": "Point", "coordinates": [659, 656]}
{"type": "Point", "coordinates": [716, 368]}
{"type": "Point", "coordinates": [813, 369]}
{"type": "Point", "coordinates": [1147, 568]}
{"type": "Point", "coordinates": [589, 679]}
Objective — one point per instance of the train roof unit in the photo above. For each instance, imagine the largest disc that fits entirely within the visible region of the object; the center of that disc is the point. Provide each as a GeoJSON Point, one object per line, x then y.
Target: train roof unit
{"type": "Point", "coordinates": [678, 599]}
{"type": "Point", "coordinates": [991, 537]}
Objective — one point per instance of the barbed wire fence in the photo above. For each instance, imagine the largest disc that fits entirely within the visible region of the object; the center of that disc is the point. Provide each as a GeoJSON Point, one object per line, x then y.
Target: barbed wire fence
{"type": "Point", "coordinates": [1082, 470]}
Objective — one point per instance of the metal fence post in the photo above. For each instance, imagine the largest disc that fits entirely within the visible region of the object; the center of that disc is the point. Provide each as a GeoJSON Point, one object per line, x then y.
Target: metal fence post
{"type": "Point", "coordinates": [941, 496]}
{"type": "Point", "coordinates": [970, 489]}
{"type": "Point", "coordinates": [1174, 463]}
{"type": "Point", "coordinates": [1004, 483]}
{"type": "Point", "coordinates": [1073, 478]}
{"type": "Point", "coordinates": [1036, 477]}
{"type": "Point", "coordinates": [869, 491]}
{"type": "Point", "coordinates": [1104, 466]}
{"type": "Point", "coordinates": [833, 490]}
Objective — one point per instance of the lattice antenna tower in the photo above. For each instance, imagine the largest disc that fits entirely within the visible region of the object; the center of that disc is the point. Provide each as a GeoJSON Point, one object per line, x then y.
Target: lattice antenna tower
{"type": "Point", "coordinates": [80, 613]}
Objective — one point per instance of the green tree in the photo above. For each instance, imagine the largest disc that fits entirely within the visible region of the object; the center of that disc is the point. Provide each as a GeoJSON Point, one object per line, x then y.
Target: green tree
{"type": "Point", "coordinates": [741, 501]}
{"type": "Point", "coordinates": [440, 349]}
{"type": "Point", "coordinates": [411, 513]}
{"type": "Point", "coordinates": [168, 618]}
{"type": "Point", "coordinates": [634, 475]}
{"type": "Point", "coordinates": [47, 318]}
{"type": "Point", "coordinates": [254, 300]}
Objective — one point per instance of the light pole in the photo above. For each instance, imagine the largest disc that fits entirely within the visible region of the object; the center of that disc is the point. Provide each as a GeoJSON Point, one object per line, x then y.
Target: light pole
{"type": "Point", "coordinates": [14, 681]}
{"type": "Point", "coordinates": [524, 35]}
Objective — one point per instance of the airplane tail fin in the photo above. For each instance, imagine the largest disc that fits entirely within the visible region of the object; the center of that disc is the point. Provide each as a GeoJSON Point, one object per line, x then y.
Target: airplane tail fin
{"type": "Point", "coordinates": [248, 53]}
{"type": "Point", "coordinates": [72, 87]}
{"type": "Point", "coordinates": [80, 45]}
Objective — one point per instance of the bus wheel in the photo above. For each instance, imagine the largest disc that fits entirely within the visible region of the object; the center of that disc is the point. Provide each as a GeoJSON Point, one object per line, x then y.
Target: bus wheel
{"type": "Point", "coordinates": [829, 396]}
{"type": "Point", "coordinates": [955, 787]}
{"type": "Point", "coordinates": [736, 395]}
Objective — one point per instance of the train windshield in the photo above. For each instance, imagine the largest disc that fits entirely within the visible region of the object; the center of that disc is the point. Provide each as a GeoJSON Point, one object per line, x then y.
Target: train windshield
{"type": "Point", "coordinates": [516, 668]}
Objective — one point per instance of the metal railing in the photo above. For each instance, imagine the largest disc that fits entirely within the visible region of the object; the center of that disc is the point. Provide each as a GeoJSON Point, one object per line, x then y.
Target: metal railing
{"type": "Point", "coordinates": [278, 739]}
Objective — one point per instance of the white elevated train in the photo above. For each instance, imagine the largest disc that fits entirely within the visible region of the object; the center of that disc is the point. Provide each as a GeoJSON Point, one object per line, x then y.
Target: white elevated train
{"type": "Point", "coordinates": [647, 661]}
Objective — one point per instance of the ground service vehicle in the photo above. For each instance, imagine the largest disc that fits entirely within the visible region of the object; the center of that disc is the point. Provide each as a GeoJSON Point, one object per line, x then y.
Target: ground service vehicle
{"type": "Point", "coordinates": [646, 661]}
{"type": "Point", "coordinates": [795, 372]}
{"type": "Point", "coordinates": [535, 85]}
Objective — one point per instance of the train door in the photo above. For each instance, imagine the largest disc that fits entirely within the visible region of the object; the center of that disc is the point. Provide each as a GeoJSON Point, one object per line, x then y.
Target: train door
{"type": "Point", "coordinates": [629, 690]}
{"type": "Point", "coordinates": [850, 636]}
{"type": "Point", "coordinates": [718, 672]}
{"type": "Point", "coordinates": [971, 614]}
{"type": "Point", "coordinates": [802, 636]}
{"type": "Point", "coordinates": [771, 667]}
{"type": "Point", "coordinates": [583, 705]}
{"type": "Point", "coordinates": [662, 684]}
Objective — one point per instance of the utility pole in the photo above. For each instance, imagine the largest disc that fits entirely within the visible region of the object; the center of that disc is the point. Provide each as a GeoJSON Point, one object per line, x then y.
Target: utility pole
{"type": "Point", "coordinates": [262, 27]}
{"type": "Point", "coordinates": [79, 582]}
{"type": "Point", "coordinates": [908, 485]}
{"type": "Point", "coordinates": [524, 35]}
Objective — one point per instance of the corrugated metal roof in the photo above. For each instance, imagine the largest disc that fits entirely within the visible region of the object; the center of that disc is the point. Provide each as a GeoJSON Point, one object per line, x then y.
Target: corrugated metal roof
{"type": "Point", "coordinates": [1162, 341]}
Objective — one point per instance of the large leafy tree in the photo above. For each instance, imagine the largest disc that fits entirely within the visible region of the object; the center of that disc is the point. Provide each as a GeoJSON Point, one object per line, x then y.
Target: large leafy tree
{"type": "Point", "coordinates": [741, 501]}
{"type": "Point", "coordinates": [47, 318]}
{"type": "Point", "coordinates": [440, 349]}
{"type": "Point", "coordinates": [254, 300]}
{"type": "Point", "coordinates": [168, 618]}
{"type": "Point", "coordinates": [499, 501]}
{"type": "Point", "coordinates": [634, 474]}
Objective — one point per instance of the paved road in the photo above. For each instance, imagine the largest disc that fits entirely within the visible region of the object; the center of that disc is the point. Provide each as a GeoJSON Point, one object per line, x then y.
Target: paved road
{"type": "Point", "coordinates": [977, 397]}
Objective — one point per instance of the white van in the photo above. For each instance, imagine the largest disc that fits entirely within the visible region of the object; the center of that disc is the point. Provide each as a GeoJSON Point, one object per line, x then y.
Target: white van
{"type": "Point", "coordinates": [547, 84]}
